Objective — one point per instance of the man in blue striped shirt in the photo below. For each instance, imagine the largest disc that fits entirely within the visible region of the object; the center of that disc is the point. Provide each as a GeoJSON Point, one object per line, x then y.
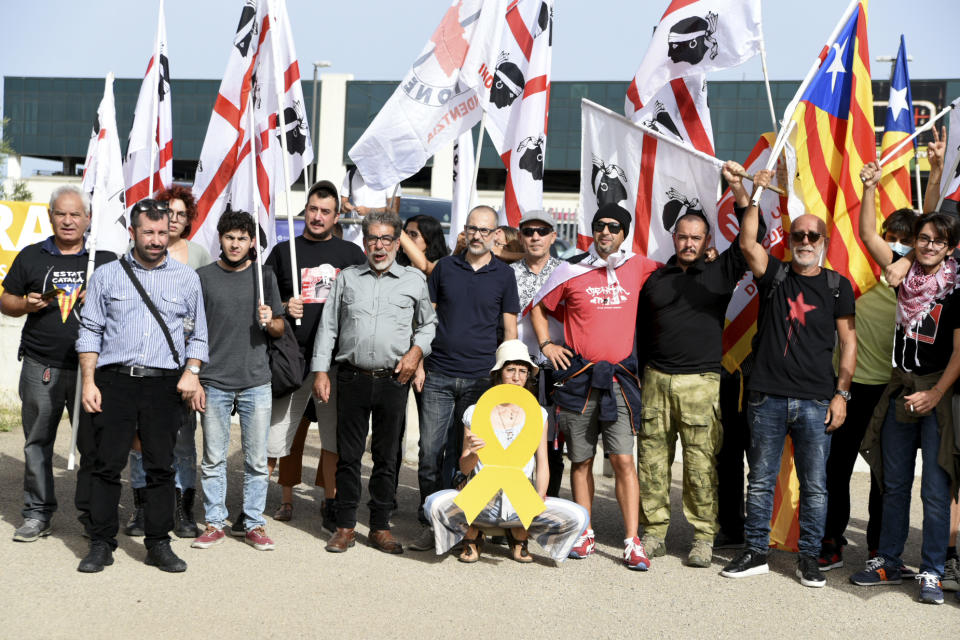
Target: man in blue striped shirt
{"type": "Point", "coordinates": [133, 382]}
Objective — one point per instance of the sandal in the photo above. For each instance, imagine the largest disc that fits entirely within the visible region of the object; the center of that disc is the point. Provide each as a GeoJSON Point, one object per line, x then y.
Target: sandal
{"type": "Point", "coordinates": [518, 548]}
{"type": "Point", "coordinates": [284, 512]}
{"type": "Point", "coordinates": [471, 549]}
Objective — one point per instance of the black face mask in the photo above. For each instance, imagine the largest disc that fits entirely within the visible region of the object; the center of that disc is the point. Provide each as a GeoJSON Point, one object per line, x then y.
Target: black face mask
{"type": "Point", "coordinates": [230, 263]}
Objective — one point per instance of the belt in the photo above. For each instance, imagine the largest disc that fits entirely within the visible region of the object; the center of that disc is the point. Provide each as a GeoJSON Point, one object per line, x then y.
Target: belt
{"type": "Point", "coordinates": [370, 373]}
{"type": "Point", "coordinates": [141, 372]}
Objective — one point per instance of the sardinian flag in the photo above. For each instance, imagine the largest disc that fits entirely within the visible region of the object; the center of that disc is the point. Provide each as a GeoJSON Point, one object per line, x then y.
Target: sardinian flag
{"type": "Point", "coordinates": [463, 162]}
{"type": "Point", "coordinates": [695, 37]}
{"type": "Point", "coordinates": [678, 109]}
{"type": "Point", "coordinates": [508, 66]}
{"type": "Point", "coordinates": [653, 176]}
{"type": "Point", "coordinates": [262, 70]}
{"type": "Point", "coordinates": [103, 180]}
{"type": "Point", "coordinates": [950, 182]}
{"type": "Point", "coordinates": [430, 108]}
{"type": "Point", "coordinates": [150, 145]}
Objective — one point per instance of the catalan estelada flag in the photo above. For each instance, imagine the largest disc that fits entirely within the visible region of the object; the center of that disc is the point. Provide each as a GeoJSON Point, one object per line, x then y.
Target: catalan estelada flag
{"type": "Point", "coordinates": [894, 190]}
{"type": "Point", "coordinates": [834, 139]}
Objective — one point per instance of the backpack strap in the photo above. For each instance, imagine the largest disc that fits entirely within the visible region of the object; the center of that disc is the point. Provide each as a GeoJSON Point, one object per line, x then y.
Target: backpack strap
{"type": "Point", "coordinates": [833, 281]}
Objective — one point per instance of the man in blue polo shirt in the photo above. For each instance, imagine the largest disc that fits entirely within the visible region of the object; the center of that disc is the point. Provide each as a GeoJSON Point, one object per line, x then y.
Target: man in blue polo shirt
{"type": "Point", "coordinates": [471, 291]}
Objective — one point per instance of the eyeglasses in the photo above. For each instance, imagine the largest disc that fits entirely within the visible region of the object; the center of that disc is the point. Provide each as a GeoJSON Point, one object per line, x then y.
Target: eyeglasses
{"type": "Point", "coordinates": [528, 232]}
{"type": "Point", "coordinates": [470, 230]}
{"type": "Point", "coordinates": [600, 225]}
{"type": "Point", "coordinates": [149, 204]}
{"type": "Point", "coordinates": [923, 240]}
{"type": "Point", "coordinates": [812, 236]}
{"type": "Point", "coordinates": [386, 241]}
{"type": "Point", "coordinates": [179, 215]}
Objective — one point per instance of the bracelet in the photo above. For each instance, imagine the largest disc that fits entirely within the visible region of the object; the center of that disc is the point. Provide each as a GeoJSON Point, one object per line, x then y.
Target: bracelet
{"type": "Point", "coordinates": [545, 343]}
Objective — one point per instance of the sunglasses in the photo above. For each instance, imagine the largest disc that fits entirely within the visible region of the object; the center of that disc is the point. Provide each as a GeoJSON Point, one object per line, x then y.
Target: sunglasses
{"type": "Point", "coordinates": [149, 204]}
{"type": "Point", "coordinates": [599, 226]}
{"type": "Point", "coordinates": [528, 232]}
{"type": "Point", "coordinates": [812, 236]}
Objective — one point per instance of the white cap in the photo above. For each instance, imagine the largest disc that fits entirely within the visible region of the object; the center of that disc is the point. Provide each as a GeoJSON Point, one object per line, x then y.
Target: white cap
{"type": "Point", "coordinates": [513, 351]}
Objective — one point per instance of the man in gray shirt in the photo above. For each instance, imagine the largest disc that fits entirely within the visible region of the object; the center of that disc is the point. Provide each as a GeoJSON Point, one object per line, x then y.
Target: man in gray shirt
{"type": "Point", "coordinates": [237, 376]}
{"type": "Point", "coordinates": [381, 320]}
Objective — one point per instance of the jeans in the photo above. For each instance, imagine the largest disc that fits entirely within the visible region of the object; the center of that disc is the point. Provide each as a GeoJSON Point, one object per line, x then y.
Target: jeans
{"type": "Point", "coordinates": [42, 405]}
{"type": "Point", "coordinates": [445, 398]}
{"type": "Point", "coordinates": [361, 397]}
{"type": "Point", "coordinates": [253, 407]}
{"type": "Point", "coordinates": [184, 456]}
{"type": "Point", "coordinates": [771, 419]}
{"type": "Point", "coordinates": [899, 441]}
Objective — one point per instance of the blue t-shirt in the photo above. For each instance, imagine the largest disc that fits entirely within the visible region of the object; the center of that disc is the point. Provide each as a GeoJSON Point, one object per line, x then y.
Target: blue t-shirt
{"type": "Point", "coordinates": [469, 306]}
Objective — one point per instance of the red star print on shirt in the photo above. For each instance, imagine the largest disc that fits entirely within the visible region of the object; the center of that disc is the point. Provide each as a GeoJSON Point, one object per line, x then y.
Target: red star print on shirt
{"type": "Point", "coordinates": [798, 312]}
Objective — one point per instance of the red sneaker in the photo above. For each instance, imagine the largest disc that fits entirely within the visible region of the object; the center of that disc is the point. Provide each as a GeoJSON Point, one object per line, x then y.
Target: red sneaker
{"type": "Point", "coordinates": [584, 545]}
{"type": "Point", "coordinates": [257, 538]}
{"type": "Point", "coordinates": [634, 555]}
{"type": "Point", "coordinates": [208, 538]}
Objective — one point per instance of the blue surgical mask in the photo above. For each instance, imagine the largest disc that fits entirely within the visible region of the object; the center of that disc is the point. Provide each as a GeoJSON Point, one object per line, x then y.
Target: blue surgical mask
{"type": "Point", "coordinates": [899, 249]}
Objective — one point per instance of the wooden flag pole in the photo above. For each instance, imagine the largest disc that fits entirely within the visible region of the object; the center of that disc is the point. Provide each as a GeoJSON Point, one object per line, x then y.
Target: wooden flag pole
{"type": "Point", "coordinates": [772, 187]}
{"type": "Point", "coordinates": [256, 194]}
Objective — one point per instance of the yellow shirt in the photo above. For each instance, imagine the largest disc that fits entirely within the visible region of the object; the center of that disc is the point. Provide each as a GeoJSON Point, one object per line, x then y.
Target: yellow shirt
{"type": "Point", "coordinates": [876, 321]}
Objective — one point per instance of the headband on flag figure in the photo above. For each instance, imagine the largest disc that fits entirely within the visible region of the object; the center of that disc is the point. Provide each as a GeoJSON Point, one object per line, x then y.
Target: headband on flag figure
{"type": "Point", "coordinates": [503, 468]}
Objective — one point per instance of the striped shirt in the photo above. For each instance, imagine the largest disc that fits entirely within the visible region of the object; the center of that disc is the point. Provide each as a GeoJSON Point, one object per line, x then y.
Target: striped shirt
{"type": "Point", "coordinates": [117, 325]}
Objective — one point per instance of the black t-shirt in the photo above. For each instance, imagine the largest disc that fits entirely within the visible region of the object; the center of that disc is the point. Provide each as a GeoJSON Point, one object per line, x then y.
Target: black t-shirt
{"type": "Point", "coordinates": [49, 334]}
{"type": "Point", "coordinates": [319, 262]}
{"type": "Point", "coordinates": [681, 313]}
{"type": "Point", "coordinates": [796, 334]}
{"type": "Point", "coordinates": [932, 343]}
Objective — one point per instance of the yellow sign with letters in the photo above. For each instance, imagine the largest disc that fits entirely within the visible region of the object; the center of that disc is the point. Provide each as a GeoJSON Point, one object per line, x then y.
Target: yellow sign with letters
{"type": "Point", "coordinates": [21, 224]}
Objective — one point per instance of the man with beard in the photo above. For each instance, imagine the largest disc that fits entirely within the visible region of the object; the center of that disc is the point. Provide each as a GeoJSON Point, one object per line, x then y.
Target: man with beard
{"type": "Point", "coordinates": [379, 319]}
{"type": "Point", "coordinates": [803, 309]}
{"type": "Point", "coordinates": [679, 327]}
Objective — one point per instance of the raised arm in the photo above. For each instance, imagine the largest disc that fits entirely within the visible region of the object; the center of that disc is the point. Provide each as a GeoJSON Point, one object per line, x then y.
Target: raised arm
{"type": "Point", "coordinates": [752, 250]}
{"type": "Point", "coordinates": [731, 173]}
{"type": "Point", "coordinates": [879, 250]}
{"type": "Point", "coordinates": [936, 151]}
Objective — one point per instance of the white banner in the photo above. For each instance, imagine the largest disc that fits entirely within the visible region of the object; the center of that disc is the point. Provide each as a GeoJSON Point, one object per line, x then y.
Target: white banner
{"type": "Point", "coordinates": [463, 163]}
{"type": "Point", "coordinates": [678, 109]}
{"type": "Point", "coordinates": [950, 184]}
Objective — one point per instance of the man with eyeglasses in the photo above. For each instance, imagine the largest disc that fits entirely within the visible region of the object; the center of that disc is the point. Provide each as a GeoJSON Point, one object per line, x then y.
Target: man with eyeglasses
{"type": "Point", "coordinates": [679, 337]}
{"type": "Point", "coordinates": [45, 283]}
{"type": "Point", "coordinates": [596, 383]}
{"type": "Point", "coordinates": [804, 310]}
{"type": "Point", "coordinates": [473, 292]}
{"type": "Point", "coordinates": [137, 363]}
{"type": "Point", "coordinates": [379, 320]}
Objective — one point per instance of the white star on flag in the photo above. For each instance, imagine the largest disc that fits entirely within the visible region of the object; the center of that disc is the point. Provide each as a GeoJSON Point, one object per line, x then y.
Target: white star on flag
{"type": "Point", "coordinates": [898, 102]}
{"type": "Point", "coordinates": [837, 65]}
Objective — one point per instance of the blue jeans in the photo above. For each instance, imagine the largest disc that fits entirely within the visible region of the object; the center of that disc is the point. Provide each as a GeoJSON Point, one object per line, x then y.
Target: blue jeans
{"type": "Point", "coordinates": [899, 441]}
{"type": "Point", "coordinates": [253, 407]}
{"type": "Point", "coordinates": [444, 399]}
{"type": "Point", "coordinates": [184, 456]}
{"type": "Point", "coordinates": [771, 419]}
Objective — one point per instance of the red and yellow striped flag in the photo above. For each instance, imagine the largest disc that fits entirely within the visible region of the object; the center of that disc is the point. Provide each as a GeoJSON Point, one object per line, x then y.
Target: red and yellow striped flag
{"type": "Point", "coordinates": [894, 191]}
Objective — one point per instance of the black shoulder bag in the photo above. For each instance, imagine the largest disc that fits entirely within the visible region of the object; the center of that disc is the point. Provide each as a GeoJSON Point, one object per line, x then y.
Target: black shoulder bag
{"type": "Point", "coordinates": [152, 309]}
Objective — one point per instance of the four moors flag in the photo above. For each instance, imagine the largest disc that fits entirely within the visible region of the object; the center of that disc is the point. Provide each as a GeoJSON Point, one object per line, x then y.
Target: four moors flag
{"type": "Point", "coordinates": [654, 177]}
{"type": "Point", "coordinates": [894, 191]}
{"type": "Point", "coordinates": [148, 167]}
{"type": "Point", "coordinates": [678, 109]}
{"type": "Point", "coordinates": [508, 66]}
{"type": "Point", "coordinates": [262, 69]}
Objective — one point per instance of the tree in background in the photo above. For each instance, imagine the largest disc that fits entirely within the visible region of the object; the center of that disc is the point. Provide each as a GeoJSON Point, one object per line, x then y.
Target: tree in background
{"type": "Point", "coordinates": [18, 188]}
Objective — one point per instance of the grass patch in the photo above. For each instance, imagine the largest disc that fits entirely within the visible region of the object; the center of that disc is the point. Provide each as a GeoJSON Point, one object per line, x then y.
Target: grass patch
{"type": "Point", "coordinates": [9, 417]}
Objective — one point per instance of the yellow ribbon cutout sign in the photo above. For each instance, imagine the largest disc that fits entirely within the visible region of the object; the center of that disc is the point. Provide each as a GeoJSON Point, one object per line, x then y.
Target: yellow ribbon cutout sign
{"type": "Point", "coordinates": [503, 468]}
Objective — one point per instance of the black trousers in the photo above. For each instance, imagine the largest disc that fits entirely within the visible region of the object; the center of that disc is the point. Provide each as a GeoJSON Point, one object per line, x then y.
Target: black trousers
{"type": "Point", "coordinates": [87, 449]}
{"type": "Point", "coordinates": [843, 455]}
{"type": "Point", "coordinates": [359, 396]}
{"type": "Point", "coordinates": [151, 408]}
{"type": "Point", "coordinates": [736, 440]}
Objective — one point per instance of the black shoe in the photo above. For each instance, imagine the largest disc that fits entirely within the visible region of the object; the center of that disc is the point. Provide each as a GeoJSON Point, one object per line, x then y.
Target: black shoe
{"type": "Point", "coordinates": [808, 570]}
{"type": "Point", "coordinates": [134, 526]}
{"type": "Point", "coordinates": [183, 523]}
{"type": "Point", "coordinates": [163, 558]}
{"type": "Point", "coordinates": [330, 515]}
{"type": "Point", "coordinates": [239, 527]}
{"type": "Point", "coordinates": [724, 540]}
{"type": "Point", "coordinates": [749, 563]}
{"type": "Point", "coordinates": [97, 558]}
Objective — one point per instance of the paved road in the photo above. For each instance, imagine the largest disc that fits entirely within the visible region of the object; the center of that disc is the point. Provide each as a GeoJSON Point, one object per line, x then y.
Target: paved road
{"type": "Point", "coordinates": [299, 590]}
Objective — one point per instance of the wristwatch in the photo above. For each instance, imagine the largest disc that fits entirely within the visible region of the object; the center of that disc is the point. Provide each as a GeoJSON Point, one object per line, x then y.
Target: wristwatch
{"type": "Point", "coordinates": [843, 394]}
{"type": "Point", "coordinates": [194, 369]}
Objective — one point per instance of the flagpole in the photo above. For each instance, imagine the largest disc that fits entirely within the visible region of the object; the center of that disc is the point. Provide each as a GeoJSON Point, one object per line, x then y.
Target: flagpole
{"type": "Point", "coordinates": [795, 102]}
{"type": "Point", "coordinates": [766, 82]}
{"type": "Point", "coordinates": [279, 84]}
{"type": "Point", "coordinates": [946, 180]}
{"type": "Point", "coordinates": [916, 175]}
{"type": "Point", "coordinates": [155, 104]}
{"type": "Point", "coordinates": [256, 194]}
{"type": "Point", "coordinates": [476, 163]}
{"type": "Point", "coordinates": [926, 127]}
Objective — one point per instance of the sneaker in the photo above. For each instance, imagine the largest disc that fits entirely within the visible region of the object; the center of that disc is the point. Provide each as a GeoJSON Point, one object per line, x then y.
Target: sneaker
{"type": "Point", "coordinates": [808, 570]}
{"type": "Point", "coordinates": [584, 545]}
{"type": "Point", "coordinates": [905, 572]}
{"type": "Point", "coordinates": [749, 563]}
{"type": "Point", "coordinates": [930, 590]}
{"type": "Point", "coordinates": [723, 540]}
{"type": "Point", "coordinates": [831, 555]}
{"type": "Point", "coordinates": [424, 540]}
{"type": "Point", "coordinates": [634, 556]}
{"type": "Point", "coordinates": [951, 575]}
{"type": "Point", "coordinates": [32, 530]}
{"type": "Point", "coordinates": [257, 538]}
{"type": "Point", "coordinates": [879, 571]}
{"type": "Point", "coordinates": [701, 554]}
{"type": "Point", "coordinates": [239, 527]}
{"type": "Point", "coordinates": [211, 536]}
{"type": "Point", "coordinates": [654, 545]}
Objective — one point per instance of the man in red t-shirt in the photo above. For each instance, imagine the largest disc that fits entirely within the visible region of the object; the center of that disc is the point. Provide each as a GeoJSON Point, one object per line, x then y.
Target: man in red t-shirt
{"type": "Point", "coordinates": [596, 297]}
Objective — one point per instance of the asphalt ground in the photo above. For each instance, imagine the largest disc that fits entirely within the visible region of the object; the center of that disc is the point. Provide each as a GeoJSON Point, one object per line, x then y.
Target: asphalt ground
{"type": "Point", "coordinates": [299, 590]}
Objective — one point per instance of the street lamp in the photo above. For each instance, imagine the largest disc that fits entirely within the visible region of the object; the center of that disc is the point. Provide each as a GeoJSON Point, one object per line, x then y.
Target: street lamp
{"type": "Point", "coordinates": [313, 125]}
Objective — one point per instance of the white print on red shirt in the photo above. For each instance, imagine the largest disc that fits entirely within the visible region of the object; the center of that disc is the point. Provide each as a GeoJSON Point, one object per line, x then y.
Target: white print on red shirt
{"type": "Point", "coordinates": [927, 331]}
{"type": "Point", "coordinates": [316, 282]}
{"type": "Point", "coordinates": [610, 296]}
